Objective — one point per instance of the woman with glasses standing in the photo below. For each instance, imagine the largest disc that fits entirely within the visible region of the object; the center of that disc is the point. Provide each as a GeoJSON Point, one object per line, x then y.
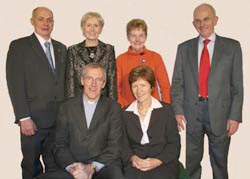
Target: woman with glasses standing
{"type": "Point", "coordinates": [137, 54]}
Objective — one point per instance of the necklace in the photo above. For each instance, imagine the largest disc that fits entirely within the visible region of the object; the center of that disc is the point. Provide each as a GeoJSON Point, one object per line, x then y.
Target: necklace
{"type": "Point", "coordinates": [143, 110]}
{"type": "Point", "coordinates": [91, 51]}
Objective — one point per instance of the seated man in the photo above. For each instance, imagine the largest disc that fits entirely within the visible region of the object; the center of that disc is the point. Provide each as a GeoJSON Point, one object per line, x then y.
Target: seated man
{"type": "Point", "coordinates": [88, 132]}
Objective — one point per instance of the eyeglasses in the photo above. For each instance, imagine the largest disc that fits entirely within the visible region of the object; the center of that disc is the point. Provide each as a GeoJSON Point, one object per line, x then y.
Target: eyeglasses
{"type": "Point", "coordinates": [134, 36]}
{"type": "Point", "coordinates": [90, 79]}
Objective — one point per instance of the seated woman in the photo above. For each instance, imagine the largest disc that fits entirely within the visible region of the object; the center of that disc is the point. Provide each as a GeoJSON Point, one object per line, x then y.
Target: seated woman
{"type": "Point", "coordinates": [151, 145]}
{"type": "Point", "coordinates": [137, 54]}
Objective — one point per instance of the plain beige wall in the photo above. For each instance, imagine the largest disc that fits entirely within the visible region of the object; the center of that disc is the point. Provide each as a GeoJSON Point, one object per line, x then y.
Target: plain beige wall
{"type": "Point", "coordinates": [170, 23]}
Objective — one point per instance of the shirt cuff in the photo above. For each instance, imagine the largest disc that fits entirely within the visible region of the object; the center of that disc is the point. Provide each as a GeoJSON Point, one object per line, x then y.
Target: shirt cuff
{"type": "Point", "coordinates": [98, 165]}
{"type": "Point", "coordinates": [68, 167]}
{"type": "Point", "coordinates": [23, 119]}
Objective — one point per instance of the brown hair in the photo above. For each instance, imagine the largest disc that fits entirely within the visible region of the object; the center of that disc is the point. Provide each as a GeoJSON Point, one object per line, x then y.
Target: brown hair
{"type": "Point", "coordinates": [143, 72]}
{"type": "Point", "coordinates": [137, 24]}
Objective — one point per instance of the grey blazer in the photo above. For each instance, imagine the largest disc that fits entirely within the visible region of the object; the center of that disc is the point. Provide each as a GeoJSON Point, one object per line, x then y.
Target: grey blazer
{"type": "Point", "coordinates": [34, 89]}
{"type": "Point", "coordinates": [225, 85]}
{"type": "Point", "coordinates": [78, 57]}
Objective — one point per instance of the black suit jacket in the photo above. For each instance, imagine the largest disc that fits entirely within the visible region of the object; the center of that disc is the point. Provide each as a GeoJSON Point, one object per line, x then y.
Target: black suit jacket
{"type": "Point", "coordinates": [162, 132]}
{"type": "Point", "coordinates": [33, 88]}
{"type": "Point", "coordinates": [75, 142]}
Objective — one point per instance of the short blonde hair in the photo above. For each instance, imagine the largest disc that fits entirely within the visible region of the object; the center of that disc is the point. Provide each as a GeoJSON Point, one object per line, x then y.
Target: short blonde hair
{"type": "Point", "coordinates": [89, 15]}
{"type": "Point", "coordinates": [137, 24]}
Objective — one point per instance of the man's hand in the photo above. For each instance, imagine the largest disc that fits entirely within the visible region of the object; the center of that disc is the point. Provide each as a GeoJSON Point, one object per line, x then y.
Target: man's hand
{"type": "Point", "coordinates": [232, 127]}
{"type": "Point", "coordinates": [77, 171]}
{"type": "Point", "coordinates": [181, 121]}
{"type": "Point", "coordinates": [75, 166]}
{"type": "Point", "coordinates": [89, 170]}
{"type": "Point", "coordinates": [28, 127]}
{"type": "Point", "coordinates": [81, 171]}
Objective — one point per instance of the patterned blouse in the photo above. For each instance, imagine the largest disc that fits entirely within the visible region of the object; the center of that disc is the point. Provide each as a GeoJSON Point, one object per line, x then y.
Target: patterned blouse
{"type": "Point", "coordinates": [78, 56]}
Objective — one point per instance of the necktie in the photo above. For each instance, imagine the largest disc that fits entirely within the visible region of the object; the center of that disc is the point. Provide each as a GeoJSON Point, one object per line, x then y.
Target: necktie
{"type": "Point", "coordinates": [204, 70]}
{"type": "Point", "coordinates": [48, 54]}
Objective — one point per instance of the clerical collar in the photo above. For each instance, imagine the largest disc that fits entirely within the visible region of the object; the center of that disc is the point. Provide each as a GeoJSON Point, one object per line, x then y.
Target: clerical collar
{"type": "Point", "coordinates": [154, 105]}
{"type": "Point", "coordinates": [90, 102]}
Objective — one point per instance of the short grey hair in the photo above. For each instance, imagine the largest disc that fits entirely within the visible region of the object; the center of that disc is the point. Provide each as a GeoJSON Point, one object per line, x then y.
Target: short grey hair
{"type": "Point", "coordinates": [34, 11]}
{"type": "Point", "coordinates": [206, 5]}
{"type": "Point", "coordinates": [93, 66]}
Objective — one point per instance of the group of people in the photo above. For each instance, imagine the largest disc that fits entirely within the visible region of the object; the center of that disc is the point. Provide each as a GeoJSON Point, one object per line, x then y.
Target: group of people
{"type": "Point", "coordinates": [90, 115]}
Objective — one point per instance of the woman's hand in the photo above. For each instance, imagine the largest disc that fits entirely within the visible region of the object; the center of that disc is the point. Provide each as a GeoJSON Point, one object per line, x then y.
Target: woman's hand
{"type": "Point", "coordinates": [145, 164]}
{"type": "Point", "coordinates": [137, 162]}
{"type": "Point", "coordinates": [150, 163]}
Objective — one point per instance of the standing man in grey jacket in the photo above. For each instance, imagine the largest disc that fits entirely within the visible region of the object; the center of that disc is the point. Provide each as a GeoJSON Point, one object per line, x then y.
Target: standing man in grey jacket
{"type": "Point", "coordinates": [207, 93]}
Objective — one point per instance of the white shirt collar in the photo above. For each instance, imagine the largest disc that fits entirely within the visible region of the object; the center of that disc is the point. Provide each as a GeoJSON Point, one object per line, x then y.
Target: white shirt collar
{"type": "Point", "coordinates": [145, 123]}
{"type": "Point", "coordinates": [41, 40]}
{"type": "Point", "coordinates": [154, 105]}
{"type": "Point", "coordinates": [211, 38]}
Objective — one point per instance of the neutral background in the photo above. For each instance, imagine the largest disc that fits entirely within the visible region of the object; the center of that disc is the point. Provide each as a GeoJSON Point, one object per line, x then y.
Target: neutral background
{"type": "Point", "coordinates": [169, 22]}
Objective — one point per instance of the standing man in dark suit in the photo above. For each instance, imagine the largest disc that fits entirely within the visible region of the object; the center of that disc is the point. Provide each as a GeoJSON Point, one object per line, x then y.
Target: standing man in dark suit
{"type": "Point", "coordinates": [88, 132]}
{"type": "Point", "coordinates": [207, 93]}
{"type": "Point", "coordinates": [35, 71]}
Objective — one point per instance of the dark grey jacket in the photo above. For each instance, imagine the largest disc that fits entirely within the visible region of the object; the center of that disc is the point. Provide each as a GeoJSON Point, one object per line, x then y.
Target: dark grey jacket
{"type": "Point", "coordinates": [34, 89]}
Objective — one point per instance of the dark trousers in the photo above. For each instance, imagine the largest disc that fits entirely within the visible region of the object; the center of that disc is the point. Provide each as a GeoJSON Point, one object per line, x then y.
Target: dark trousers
{"type": "Point", "coordinates": [33, 147]}
{"type": "Point", "coordinates": [111, 172]}
{"type": "Point", "coordinates": [165, 171]}
{"type": "Point", "coordinates": [218, 147]}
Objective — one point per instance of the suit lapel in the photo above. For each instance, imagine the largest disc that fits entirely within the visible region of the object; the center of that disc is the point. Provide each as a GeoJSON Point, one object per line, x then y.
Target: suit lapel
{"type": "Point", "coordinates": [153, 118]}
{"type": "Point", "coordinates": [35, 44]}
{"type": "Point", "coordinates": [99, 114]}
{"type": "Point", "coordinates": [80, 117]}
{"type": "Point", "coordinates": [58, 58]}
{"type": "Point", "coordinates": [134, 121]}
{"type": "Point", "coordinates": [193, 57]}
{"type": "Point", "coordinates": [218, 51]}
